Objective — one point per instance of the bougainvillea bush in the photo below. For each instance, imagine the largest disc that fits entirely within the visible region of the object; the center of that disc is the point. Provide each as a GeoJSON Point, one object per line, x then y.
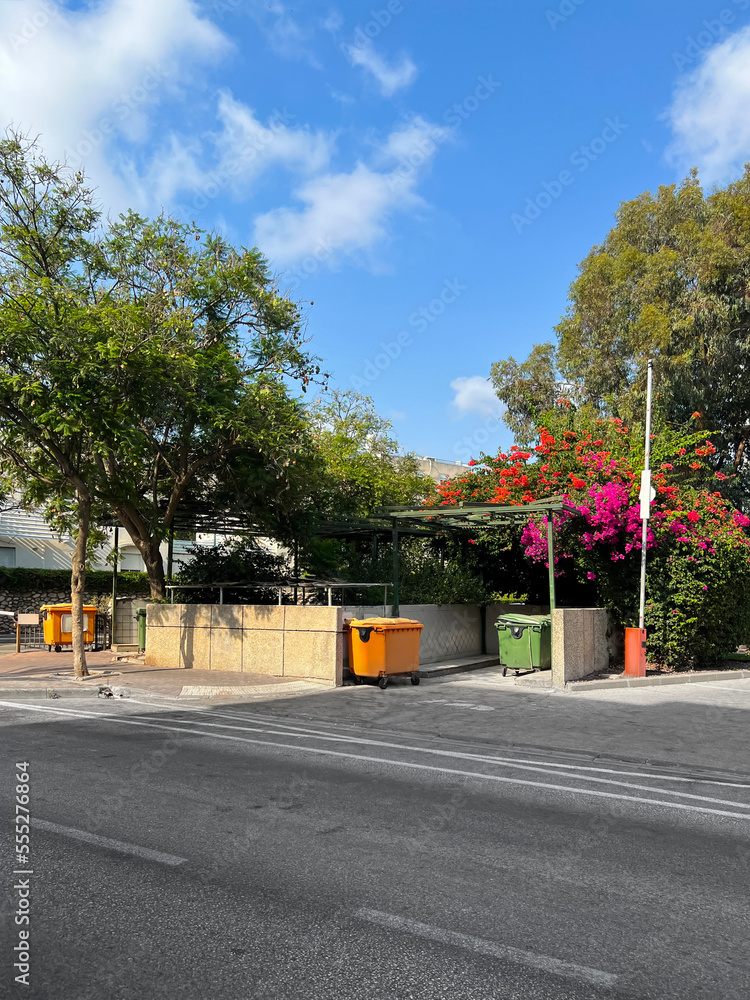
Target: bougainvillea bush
{"type": "Point", "coordinates": [698, 578]}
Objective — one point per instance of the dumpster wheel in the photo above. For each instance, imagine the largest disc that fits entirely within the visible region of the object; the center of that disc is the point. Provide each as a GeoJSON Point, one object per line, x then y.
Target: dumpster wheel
{"type": "Point", "coordinates": [415, 678]}
{"type": "Point", "coordinates": [505, 671]}
{"type": "Point", "coordinates": [383, 682]}
{"type": "Point", "coordinates": [58, 649]}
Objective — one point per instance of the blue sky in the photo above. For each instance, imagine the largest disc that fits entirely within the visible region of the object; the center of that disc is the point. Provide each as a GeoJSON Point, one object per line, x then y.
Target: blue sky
{"type": "Point", "coordinates": [427, 174]}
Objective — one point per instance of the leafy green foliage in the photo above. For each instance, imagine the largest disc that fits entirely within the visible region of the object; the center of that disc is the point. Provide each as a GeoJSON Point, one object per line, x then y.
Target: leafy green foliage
{"type": "Point", "coordinates": [243, 561]}
{"type": "Point", "coordinates": [21, 579]}
{"type": "Point", "coordinates": [669, 282]}
{"type": "Point", "coordinates": [142, 367]}
{"type": "Point", "coordinates": [698, 547]}
{"type": "Point", "coordinates": [361, 466]}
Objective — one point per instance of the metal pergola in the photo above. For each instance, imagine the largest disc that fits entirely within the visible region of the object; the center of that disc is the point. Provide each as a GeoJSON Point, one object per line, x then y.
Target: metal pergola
{"type": "Point", "coordinates": [462, 516]}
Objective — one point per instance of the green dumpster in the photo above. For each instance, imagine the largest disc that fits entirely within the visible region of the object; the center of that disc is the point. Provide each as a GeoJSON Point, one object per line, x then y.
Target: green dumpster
{"type": "Point", "coordinates": [140, 617]}
{"type": "Point", "coordinates": [524, 642]}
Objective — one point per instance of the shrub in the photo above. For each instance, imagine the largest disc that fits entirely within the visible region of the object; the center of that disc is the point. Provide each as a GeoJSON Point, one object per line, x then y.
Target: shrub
{"type": "Point", "coordinates": [699, 553]}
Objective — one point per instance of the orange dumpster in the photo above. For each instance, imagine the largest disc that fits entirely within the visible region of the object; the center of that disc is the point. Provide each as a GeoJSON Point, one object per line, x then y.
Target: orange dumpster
{"type": "Point", "coordinates": [383, 648]}
{"type": "Point", "coordinates": [57, 620]}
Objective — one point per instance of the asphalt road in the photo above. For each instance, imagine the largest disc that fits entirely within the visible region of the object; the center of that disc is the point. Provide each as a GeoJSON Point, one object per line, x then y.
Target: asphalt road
{"type": "Point", "coordinates": [249, 853]}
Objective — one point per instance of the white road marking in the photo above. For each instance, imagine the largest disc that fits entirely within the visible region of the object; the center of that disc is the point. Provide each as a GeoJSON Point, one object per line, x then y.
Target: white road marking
{"type": "Point", "coordinates": [458, 704]}
{"type": "Point", "coordinates": [512, 761]}
{"type": "Point", "coordinates": [479, 758]}
{"type": "Point", "coordinates": [112, 845]}
{"type": "Point", "coordinates": [482, 946]}
{"type": "Point", "coordinates": [253, 691]}
{"type": "Point", "coordinates": [591, 792]}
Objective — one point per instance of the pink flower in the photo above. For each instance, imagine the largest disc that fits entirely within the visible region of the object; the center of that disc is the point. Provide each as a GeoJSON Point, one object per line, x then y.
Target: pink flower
{"type": "Point", "coordinates": [591, 576]}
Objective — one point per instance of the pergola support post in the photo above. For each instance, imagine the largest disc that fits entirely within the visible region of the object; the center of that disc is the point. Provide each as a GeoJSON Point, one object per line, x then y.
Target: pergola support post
{"type": "Point", "coordinates": [551, 560]}
{"type": "Point", "coordinates": [396, 608]}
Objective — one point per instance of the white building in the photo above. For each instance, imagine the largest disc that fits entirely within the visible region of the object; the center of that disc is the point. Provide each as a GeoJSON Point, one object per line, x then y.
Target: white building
{"type": "Point", "coordinates": [27, 540]}
{"type": "Point", "coordinates": [440, 469]}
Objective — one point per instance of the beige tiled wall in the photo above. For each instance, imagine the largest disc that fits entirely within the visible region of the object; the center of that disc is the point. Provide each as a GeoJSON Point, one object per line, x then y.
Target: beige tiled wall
{"type": "Point", "coordinates": [282, 641]}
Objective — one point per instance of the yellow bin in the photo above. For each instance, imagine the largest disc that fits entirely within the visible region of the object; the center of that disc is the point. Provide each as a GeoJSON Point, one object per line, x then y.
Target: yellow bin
{"type": "Point", "coordinates": [383, 648]}
{"type": "Point", "coordinates": [58, 624]}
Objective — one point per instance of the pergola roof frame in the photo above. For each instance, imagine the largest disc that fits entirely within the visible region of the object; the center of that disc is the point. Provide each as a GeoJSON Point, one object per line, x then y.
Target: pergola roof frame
{"type": "Point", "coordinates": [462, 516]}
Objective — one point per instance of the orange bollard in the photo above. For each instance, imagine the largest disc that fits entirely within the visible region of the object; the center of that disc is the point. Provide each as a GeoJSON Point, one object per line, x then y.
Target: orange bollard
{"type": "Point", "coordinates": [635, 652]}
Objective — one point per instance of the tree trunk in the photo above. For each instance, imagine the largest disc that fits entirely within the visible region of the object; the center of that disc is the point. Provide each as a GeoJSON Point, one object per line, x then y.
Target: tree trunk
{"type": "Point", "coordinates": [78, 585]}
{"type": "Point", "coordinates": [149, 549]}
{"type": "Point", "coordinates": [148, 546]}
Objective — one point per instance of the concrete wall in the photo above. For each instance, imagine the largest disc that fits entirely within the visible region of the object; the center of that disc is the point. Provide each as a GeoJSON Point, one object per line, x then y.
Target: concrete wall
{"type": "Point", "coordinates": [450, 631]}
{"type": "Point", "coordinates": [580, 645]}
{"type": "Point", "coordinates": [309, 642]}
{"type": "Point", "coordinates": [283, 641]}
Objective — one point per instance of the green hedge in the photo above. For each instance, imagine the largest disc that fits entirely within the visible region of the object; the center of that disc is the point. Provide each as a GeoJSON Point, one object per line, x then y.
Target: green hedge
{"type": "Point", "coordinates": [97, 581]}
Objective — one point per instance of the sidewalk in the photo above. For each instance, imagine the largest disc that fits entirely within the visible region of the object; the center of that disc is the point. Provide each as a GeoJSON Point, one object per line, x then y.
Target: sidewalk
{"type": "Point", "coordinates": [39, 674]}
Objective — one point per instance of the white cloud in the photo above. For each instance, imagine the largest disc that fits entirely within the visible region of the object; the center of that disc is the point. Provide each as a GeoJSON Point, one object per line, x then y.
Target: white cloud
{"type": "Point", "coordinates": [390, 78]}
{"type": "Point", "coordinates": [474, 394]}
{"type": "Point", "coordinates": [285, 35]}
{"type": "Point", "coordinates": [343, 212]}
{"type": "Point", "coordinates": [82, 79]}
{"type": "Point", "coordinates": [412, 142]}
{"type": "Point", "coordinates": [241, 151]}
{"type": "Point", "coordinates": [347, 212]}
{"type": "Point", "coordinates": [709, 111]}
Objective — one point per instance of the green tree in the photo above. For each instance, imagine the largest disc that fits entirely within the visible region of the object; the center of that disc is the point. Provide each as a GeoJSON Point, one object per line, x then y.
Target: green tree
{"type": "Point", "coordinates": [48, 268]}
{"type": "Point", "coordinates": [361, 465]}
{"type": "Point", "coordinates": [669, 282]}
{"type": "Point", "coordinates": [214, 409]}
{"type": "Point", "coordinates": [136, 365]}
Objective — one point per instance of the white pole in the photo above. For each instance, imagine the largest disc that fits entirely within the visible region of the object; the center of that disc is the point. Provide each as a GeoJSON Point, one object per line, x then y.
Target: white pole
{"type": "Point", "coordinates": [645, 490]}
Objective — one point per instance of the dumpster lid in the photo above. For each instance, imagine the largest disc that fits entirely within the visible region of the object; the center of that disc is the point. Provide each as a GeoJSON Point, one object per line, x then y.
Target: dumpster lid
{"type": "Point", "coordinates": [524, 620]}
{"type": "Point", "coordinates": [382, 624]}
{"type": "Point", "coordinates": [66, 608]}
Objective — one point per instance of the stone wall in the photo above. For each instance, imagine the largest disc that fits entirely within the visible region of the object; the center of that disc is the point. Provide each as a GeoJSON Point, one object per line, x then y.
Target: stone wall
{"type": "Point", "coordinates": [284, 641]}
{"type": "Point", "coordinates": [29, 602]}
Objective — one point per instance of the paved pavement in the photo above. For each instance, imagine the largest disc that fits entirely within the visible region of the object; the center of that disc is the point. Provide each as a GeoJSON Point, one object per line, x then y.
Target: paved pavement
{"type": "Point", "coordinates": [360, 843]}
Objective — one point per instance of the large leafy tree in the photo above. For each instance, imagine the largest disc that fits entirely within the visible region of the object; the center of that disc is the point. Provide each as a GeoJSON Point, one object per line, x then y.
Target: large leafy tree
{"type": "Point", "coordinates": [51, 376]}
{"type": "Point", "coordinates": [138, 364]}
{"type": "Point", "coordinates": [670, 281]}
{"type": "Point", "coordinates": [361, 464]}
{"type": "Point", "coordinates": [215, 415]}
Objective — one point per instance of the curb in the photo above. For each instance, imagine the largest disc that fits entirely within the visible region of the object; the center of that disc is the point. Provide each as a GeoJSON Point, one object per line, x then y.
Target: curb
{"type": "Point", "coordinates": [56, 693]}
{"type": "Point", "coordinates": [632, 682]}
{"type": "Point", "coordinates": [458, 669]}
